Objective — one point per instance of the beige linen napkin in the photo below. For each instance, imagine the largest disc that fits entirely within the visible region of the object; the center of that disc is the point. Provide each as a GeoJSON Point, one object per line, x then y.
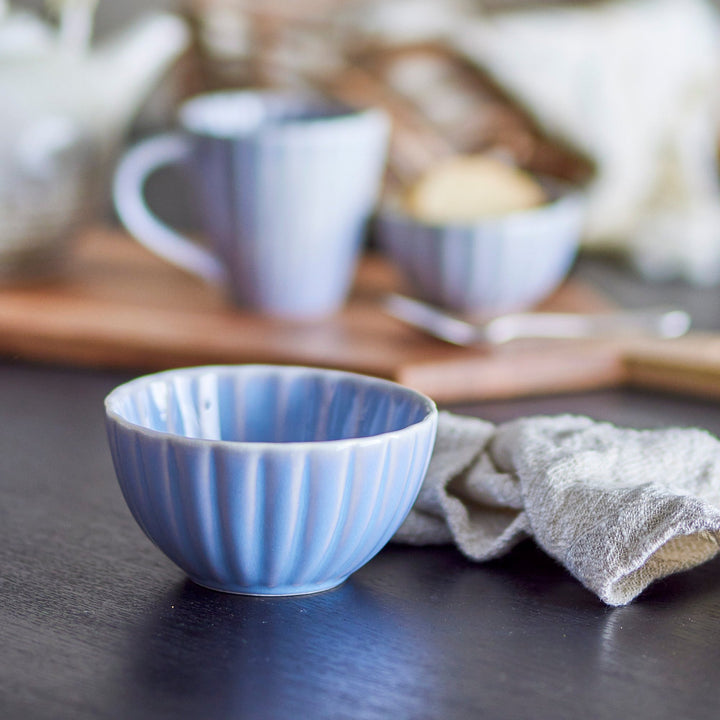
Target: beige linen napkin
{"type": "Point", "coordinates": [618, 508]}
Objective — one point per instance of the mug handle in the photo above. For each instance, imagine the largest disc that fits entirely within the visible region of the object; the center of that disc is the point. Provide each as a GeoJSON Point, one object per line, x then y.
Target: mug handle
{"type": "Point", "coordinates": [131, 174]}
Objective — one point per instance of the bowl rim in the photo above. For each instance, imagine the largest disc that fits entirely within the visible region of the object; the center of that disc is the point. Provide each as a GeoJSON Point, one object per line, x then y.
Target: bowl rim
{"type": "Point", "coordinates": [112, 415]}
{"type": "Point", "coordinates": [390, 209]}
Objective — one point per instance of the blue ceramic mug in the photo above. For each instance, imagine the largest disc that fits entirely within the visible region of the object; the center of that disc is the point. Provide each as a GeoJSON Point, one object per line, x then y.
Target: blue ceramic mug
{"type": "Point", "coordinates": [285, 184]}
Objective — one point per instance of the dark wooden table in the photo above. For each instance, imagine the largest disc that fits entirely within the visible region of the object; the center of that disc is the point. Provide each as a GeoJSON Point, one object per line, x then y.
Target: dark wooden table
{"type": "Point", "coordinates": [96, 623]}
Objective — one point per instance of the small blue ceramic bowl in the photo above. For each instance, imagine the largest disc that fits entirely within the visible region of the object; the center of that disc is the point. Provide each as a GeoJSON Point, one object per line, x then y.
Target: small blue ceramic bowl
{"type": "Point", "coordinates": [269, 480]}
{"type": "Point", "coordinates": [496, 265]}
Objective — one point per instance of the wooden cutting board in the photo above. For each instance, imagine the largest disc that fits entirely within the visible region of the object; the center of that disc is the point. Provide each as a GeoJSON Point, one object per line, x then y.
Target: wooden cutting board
{"type": "Point", "coordinates": [119, 306]}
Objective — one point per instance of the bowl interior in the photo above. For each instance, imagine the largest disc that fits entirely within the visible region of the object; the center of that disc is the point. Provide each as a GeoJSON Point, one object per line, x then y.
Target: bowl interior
{"type": "Point", "coordinates": [267, 404]}
{"type": "Point", "coordinates": [557, 193]}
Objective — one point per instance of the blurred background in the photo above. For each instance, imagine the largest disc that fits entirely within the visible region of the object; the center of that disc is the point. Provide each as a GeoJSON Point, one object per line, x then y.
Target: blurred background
{"type": "Point", "coordinates": [619, 98]}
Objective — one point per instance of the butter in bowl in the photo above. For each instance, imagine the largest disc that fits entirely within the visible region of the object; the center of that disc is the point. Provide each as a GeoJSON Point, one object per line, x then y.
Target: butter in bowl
{"type": "Point", "coordinates": [479, 237]}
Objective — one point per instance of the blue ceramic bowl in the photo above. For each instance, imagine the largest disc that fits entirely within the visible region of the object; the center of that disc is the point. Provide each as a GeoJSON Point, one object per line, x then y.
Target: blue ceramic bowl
{"type": "Point", "coordinates": [492, 266]}
{"type": "Point", "coordinates": [269, 480]}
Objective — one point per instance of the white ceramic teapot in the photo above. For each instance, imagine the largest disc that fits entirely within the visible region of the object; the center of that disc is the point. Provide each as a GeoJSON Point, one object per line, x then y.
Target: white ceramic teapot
{"type": "Point", "coordinates": [64, 110]}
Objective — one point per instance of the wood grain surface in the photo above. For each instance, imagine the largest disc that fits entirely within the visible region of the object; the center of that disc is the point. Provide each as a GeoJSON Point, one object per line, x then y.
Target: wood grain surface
{"type": "Point", "coordinates": [120, 307]}
{"type": "Point", "coordinates": [689, 366]}
{"type": "Point", "coordinates": [96, 624]}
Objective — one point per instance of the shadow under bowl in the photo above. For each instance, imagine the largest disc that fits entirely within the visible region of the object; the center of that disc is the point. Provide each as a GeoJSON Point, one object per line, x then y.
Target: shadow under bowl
{"type": "Point", "coordinates": [488, 267]}
{"type": "Point", "coordinates": [269, 480]}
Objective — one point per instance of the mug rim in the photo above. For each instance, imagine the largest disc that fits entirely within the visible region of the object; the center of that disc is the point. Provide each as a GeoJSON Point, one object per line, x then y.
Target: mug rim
{"type": "Point", "coordinates": [339, 113]}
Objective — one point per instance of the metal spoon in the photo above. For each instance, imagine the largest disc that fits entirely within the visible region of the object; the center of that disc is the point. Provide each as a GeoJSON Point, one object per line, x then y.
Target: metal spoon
{"type": "Point", "coordinates": [658, 322]}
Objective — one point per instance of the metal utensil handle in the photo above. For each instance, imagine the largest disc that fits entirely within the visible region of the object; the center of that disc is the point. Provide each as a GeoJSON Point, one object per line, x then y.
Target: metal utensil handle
{"type": "Point", "coordinates": [434, 321]}
{"type": "Point", "coordinates": [662, 322]}
{"type": "Point", "coordinates": [659, 323]}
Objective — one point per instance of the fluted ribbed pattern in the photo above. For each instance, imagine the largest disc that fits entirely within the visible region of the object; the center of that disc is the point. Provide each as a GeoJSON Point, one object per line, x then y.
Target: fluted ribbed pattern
{"type": "Point", "coordinates": [269, 480]}
{"type": "Point", "coordinates": [286, 199]}
{"type": "Point", "coordinates": [492, 266]}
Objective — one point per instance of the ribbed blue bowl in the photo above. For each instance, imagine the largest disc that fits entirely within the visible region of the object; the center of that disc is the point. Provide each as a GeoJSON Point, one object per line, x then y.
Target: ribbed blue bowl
{"type": "Point", "coordinates": [491, 266]}
{"type": "Point", "coordinates": [269, 480]}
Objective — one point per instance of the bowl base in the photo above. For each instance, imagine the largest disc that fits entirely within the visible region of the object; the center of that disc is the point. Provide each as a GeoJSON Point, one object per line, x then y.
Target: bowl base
{"type": "Point", "coordinates": [279, 591]}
